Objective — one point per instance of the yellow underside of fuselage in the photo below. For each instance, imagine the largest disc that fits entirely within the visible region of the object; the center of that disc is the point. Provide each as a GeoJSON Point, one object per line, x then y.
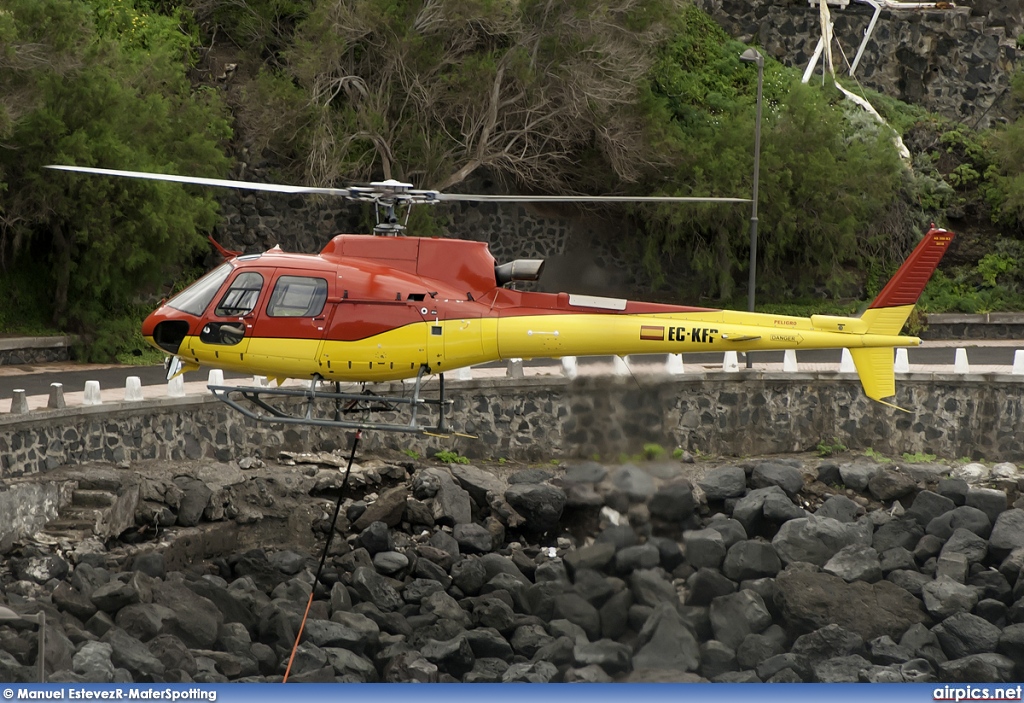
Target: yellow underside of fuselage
{"type": "Point", "coordinates": [452, 344]}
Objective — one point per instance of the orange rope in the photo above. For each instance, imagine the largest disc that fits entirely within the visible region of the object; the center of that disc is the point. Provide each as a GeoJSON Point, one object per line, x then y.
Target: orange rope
{"type": "Point", "coordinates": [298, 637]}
{"type": "Point", "coordinates": [323, 557]}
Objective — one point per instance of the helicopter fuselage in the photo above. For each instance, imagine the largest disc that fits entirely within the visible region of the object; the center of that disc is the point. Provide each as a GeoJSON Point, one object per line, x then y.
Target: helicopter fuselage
{"type": "Point", "coordinates": [373, 309]}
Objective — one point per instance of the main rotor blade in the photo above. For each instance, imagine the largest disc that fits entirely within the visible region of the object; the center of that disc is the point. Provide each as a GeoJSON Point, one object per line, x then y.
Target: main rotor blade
{"type": "Point", "coordinates": [219, 182]}
{"type": "Point", "coordinates": [586, 199]}
{"type": "Point", "coordinates": [375, 192]}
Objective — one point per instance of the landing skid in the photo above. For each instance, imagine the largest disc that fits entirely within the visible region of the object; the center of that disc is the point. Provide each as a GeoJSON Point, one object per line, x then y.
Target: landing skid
{"type": "Point", "coordinates": [350, 411]}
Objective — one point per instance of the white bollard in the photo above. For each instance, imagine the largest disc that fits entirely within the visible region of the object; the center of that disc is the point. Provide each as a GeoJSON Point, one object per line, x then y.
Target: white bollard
{"type": "Point", "coordinates": [260, 381]}
{"type": "Point", "coordinates": [902, 364]}
{"type": "Point", "coordinates": [132, 389]}
{"type": "Point", "coordinates": [56, 400]}
{"type": "Point", "coordinates": [464, 374]}
{"type": "Point", "coordinates": [514, 368]}
{"type": "Point", "coordinates": [216, 378]}
{"type": "Point", "coordinates": [674, 366]}
{"type": "Point", "coordinates": [1018, 362]}
{"type": "Point", "coordinates": [789, 361]}
{"type": "Point", "coordinates": [846, 364]}
{"type": "Point", "coordinates": [960, 364]}
{"type": "Point", "coordinates": [19, 403]}
{"type": "Point", "coordinates": [176, 387]}
{"type": "Point", "coordinates": [569, 369]}
{"type": "Point", "coordinates": [619, 366]}
{"type": "Point", "coordinates": [730, 362]}
{"type": "Point", "coordinates": [92, 393]}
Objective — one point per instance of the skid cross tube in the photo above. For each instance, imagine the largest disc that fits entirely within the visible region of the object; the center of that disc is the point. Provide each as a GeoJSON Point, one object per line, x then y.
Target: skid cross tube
{"type": "Point", "coordinates": [343, 404]}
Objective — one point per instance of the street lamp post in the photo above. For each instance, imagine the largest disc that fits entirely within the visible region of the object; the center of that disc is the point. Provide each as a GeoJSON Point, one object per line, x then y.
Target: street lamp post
{"type": "Point", "coordinates": [755, 57]}
{"type": "Point", "coordinates": [6, 614]}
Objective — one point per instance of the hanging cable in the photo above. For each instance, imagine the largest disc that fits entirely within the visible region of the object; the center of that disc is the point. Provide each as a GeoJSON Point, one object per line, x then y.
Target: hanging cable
{"type": "Point", "coordinates": [323, 556]}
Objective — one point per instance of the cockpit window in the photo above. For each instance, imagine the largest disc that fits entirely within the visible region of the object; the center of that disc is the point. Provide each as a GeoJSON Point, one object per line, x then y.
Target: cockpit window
{"type": "Point", "coordinates": [297, 296]}
{"type": "Point", "coordinates": [241, 296]}
{"type": "Point", "coordinates": [195, 299]}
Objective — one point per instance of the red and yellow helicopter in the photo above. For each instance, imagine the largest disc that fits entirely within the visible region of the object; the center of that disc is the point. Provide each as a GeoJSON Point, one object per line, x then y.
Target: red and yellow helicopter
{"type": "Point", "coordinates": [370, 309]}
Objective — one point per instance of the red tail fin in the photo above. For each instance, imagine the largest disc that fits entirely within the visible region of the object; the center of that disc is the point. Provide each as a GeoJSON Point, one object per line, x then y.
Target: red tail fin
{"type": "Point", "coordinates": [226, 253]}
{"type": "Point", "coordinates": [906, 286]}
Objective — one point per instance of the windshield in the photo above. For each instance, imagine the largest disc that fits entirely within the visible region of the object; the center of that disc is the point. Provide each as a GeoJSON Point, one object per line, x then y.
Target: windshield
{"type": "Point", "coordinates": [195, 299]}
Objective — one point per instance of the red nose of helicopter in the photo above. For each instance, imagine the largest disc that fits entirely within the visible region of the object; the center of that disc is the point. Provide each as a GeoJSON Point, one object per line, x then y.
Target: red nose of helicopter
{"type": "Point", "coordinates": [166, 328]}
{"type": "Point", "coordinates": [168, 325]}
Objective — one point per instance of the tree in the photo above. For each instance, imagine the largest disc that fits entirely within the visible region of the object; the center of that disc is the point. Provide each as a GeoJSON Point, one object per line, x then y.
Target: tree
{"type": "Point", "coordinates": [536, 92]}
{"type": "Point", "coordinates": [828, 175]}
{"type": "Point", "coordinates": [119, 98]}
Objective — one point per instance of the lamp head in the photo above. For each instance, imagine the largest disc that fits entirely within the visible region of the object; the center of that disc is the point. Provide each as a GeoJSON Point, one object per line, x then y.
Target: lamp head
{"type": "Point", "coordinates": [752, 56]}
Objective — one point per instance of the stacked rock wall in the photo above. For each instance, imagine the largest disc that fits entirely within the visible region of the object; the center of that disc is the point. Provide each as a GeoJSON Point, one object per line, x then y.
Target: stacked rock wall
{"type": "Point", "coordinates": [536, 419]}
{"type": "Point", "coordinates": [955, 61]}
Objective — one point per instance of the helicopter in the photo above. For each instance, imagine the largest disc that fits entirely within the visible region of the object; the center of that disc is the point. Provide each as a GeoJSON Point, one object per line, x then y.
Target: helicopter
{"type": "Point", "coordinates": [373, 309]}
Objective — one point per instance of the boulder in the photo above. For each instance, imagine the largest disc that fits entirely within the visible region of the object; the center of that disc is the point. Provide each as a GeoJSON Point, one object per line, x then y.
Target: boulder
{"type": "Point", "coordinates": [636, 483]}
{"type": "Point", "coordinates": [481, 485]}
{"type": "Point", "coordinates": [811, 600]}
{"type": "Point", "coordinates": [769, 473]}
{"type": "Point", "coordinates": [723, 482]}
{"type": "Point", "coordinates": [666, 642]}
{"type": "Point", "coordinates": [540, 504]}
{"type": "Point", "coordinates": [673, 502]}
{"type": "Point", "coordinates": [751, 559]}
{"type": "Point", "coordinates": [944, 597]}
{"type": "Point", "coordinates": [856, 562]}
{"type": "Point", "coordinates": [964, 634]}
{"type": "Point", "coordinates": [812, 539]}
{"type": "Point", "coordinates": [704, 548]}
{"type": "Point", "coordinates": [737, 615]}
{"type": "Point", "coordinates": [890, 484]}
{"type": "Point", "coordinates": [841, 508]}
{"type": "Point", "coordinates": [1007, 534]}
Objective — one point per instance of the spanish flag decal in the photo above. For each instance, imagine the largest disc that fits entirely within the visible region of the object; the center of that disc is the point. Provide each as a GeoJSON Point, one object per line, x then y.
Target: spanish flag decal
{"type": "Point", "coordinates": [652, 333]}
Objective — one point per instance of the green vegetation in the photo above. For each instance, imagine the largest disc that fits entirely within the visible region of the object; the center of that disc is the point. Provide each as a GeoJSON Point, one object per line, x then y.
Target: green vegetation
{"type": "Point", "coordinates": [831, 448]}
{"type": "Point", "coordinates": [447, 456]}
{"type": "Point", "coordinates": [877, 456]}
{"type": "Point", "coordinates": [411, 453]}
{"type": "Point", "coordinates": [98, 83]}
{"type": "Point", "coordinates": [678, 453]}
{"type": "Point", "coordinates": [918, 458]}
{"type": "Point", "coordinates": [827, 174]}
{"type": "Point", "coordinates": [653, 452]}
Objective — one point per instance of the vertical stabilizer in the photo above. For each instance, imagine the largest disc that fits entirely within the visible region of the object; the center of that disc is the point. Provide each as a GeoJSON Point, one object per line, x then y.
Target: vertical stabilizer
{"type": "Point", "coordinates": [890, 310]}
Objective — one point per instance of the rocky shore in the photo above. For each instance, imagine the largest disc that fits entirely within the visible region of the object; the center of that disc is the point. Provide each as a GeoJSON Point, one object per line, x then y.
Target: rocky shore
{"type": "Point", "coordinates": [776, 569]}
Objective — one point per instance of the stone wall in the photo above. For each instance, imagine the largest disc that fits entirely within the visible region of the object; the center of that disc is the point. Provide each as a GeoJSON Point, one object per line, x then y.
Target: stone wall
{"type": "Point", "coordinates": [539, 418]}
{"type": "Point", "coordinates": [16, 351]}
{"type": "Point", "coordinates": [955, 61]}
{"type": "Point", "coordinates": [993, 325]}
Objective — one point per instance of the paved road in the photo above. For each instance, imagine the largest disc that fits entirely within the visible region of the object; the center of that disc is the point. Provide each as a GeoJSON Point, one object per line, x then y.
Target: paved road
{"type": "Point", "coordinates": [36, 380]}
